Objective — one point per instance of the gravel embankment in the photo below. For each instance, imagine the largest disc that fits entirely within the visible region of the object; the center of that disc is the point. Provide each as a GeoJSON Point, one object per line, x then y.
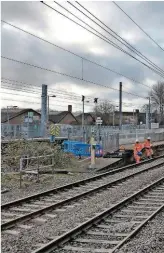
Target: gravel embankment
{"type": "Point", "coordinates": [73, 215]}
{"type": "Point", "coordinates": [149, 240]}
{"type": "Point", "coordinates": [48, 182]}
{"type": "Point", "coordinates": [29, 188]}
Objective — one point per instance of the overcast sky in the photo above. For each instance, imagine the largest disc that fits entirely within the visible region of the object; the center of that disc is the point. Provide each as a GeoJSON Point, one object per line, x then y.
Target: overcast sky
{"type": "Point", "coordinates": [38, 19]}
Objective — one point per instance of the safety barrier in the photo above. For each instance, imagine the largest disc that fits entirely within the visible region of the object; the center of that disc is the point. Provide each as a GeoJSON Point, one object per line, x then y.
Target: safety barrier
{"type": "Point", "coordinates": [81, 149]}
{"type": "Point", "coordinates": [69, 146]}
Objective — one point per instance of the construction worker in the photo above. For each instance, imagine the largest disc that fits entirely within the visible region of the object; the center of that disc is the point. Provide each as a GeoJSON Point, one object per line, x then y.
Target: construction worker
{"type": "Point", "coordinates": [148, 148]}
{"type": "Point", "coordinates": [122, 148]}
{"type": "Point", "coordinates": [137, 151]}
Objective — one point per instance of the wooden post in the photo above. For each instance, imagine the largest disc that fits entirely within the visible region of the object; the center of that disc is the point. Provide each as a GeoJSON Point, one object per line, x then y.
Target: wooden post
{"type": "Point", "coordinates": [92, 153]}
{"type": "Point", "coordinates": [38, 169]}
{"type": "Point", "coordinates": [27, 161]}
{"type": "Point", "coordinates": [20, 171]}
{"type": "Point", "coordinates": [53, 163]}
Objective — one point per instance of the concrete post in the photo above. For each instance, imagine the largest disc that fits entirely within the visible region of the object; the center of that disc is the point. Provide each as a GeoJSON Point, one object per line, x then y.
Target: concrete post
{"type": "Point", "coordinates": [93, 161]}
{"type": "Point", "coordinates": [120, 105]}
{"type": "Point", "coordinates": [44, 110]}
{"type": "Point", "coordinates": [83, 98]}
{"type": "Point", "coordinates": [149, 114]}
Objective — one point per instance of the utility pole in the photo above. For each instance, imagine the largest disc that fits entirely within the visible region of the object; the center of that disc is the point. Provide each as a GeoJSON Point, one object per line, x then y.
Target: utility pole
{"type": "Point", "coordinates": [48, 108]}
{"type": "Point", "coordinates": [48, 105]}
{"type": "Point", "coordinates": [113, 114]}
{"type": "Point", "coordinates": [44, 110]}
{"type": "Point", "coordinates": [83, 99]}
{"type": "Point", "coordinates": [149, 113]}
{"type": "Point", "coordinates": [92, 142]}
{"type": "Point", "coordinates": [95, 102]}
{"type": "Point", "coordinates": [120, 105]}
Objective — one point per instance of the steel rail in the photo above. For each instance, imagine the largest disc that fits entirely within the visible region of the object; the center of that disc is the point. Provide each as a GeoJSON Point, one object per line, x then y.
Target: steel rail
{"type": "Point", "coordinates": [83, 227]}
{"type": "Point", "coordinates": [79, 182]}
{"type": "Point", "coordinates": [41, 211]}
{"type": "Point", "coordinates": [133, 233]}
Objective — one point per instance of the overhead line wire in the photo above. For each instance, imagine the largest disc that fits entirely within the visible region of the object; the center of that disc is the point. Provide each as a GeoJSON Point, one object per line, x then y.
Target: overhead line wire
{"type": "Point", "coordinates": [53, 71]}
{"type": "Point", "coordinates": [133, 49]}
{"type": "Point", "coordinates": [106, 40]}
{"type": "Point", "coordinates": [76, 103]}
{"type": "Point", "coordinates": [29, 91]}
{"type": "Point", "coordinates": [56, 91]}
{"type": "Point", "coordinates": [138, 26]}
{"type": "Point", "coordinates": [52, 90]}
{"type": "Point", "coordinates": [131, 79]}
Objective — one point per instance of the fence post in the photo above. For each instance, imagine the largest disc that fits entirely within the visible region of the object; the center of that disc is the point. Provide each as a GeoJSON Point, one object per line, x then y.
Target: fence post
{"type": "Point", "coordinates": [37, 168]}
{"type": "Point", "coordinates": [53, 163]}
{"type": "Point", "coordinates": [20, 170]}
{"type": "Point", "coordinates": [27, 161]}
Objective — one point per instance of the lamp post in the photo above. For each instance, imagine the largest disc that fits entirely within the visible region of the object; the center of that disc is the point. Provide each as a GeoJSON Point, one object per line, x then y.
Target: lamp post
{"type": "Point", "coordinates": [133, 115]}
{"type": "Point", "coordinates": [83, 119]}
{"type": "Point", "coordinates": [48, 105]}
{"type": "Point", "coordinates": [149, 112]}
{"type": "Point", "coordinates": [114, 113]}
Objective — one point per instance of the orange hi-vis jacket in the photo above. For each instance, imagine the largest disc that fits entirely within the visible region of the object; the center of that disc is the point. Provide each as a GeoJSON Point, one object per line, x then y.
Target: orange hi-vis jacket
{"type": "Point", "coordinates": [147, 144]}
{"type": "Point", "coordinates": [138, 147]}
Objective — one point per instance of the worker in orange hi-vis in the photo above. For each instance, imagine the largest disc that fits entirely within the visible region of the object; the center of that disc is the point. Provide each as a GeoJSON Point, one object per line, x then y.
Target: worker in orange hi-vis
{"type": "Point", "coordinates": [137, 151]}
{"type": "Point", "coordinates": [148, 148]}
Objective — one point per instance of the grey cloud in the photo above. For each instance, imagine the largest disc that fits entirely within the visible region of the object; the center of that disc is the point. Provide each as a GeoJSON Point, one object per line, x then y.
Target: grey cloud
{"type": "Point", "coordinates": [27, 48]}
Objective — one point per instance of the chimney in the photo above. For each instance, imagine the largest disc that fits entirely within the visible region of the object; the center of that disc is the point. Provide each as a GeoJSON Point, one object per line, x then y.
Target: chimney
{"type": "Point", "coordinates": [69, 108]}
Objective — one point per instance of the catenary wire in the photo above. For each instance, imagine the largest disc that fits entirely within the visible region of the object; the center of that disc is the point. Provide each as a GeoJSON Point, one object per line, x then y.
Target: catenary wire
{"type": "Point", "coordinates": [53, 91]}
{"type": "Point", "coordinates": [133, 49]}
{"type": "Point", "coordinates": [57, 91]}
{"type": "Point", "coordinates": [64, 74]}
{"type": "Point", "coordinates": [138, 26]}
{"type": "Point", "coordinates": [29, 91]}
{"type": "Point", "coordinates": [83, 58]}
{"type": "Point", "coordinates": [75, 103]}
{"type": "Point", "coordinates": [106, 40]}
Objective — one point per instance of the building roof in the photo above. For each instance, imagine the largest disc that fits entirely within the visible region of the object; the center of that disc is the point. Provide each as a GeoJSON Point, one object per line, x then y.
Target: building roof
{"type": "Point", "coordinates": [85, 114]}
{"type": "Point", "coordinates": [14, 113]}
{"type": "Point", "coordinates": [56, 117]}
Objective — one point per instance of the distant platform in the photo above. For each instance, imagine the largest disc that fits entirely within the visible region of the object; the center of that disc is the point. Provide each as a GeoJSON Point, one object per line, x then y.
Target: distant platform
{"type": "Point", "coordinates": [103, 163]}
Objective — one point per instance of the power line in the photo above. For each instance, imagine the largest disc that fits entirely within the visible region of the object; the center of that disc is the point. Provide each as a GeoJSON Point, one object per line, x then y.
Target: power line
{"type": "Point", "coordinates": [64, 100]}
{"type": "Point", "coordinates": [33, 86]}
{"type": "Point", "coordinates": [106, 39]}
{"type": "Point", "coordinates": [25, 101]}
{"type": "Point", "coordinates": [129, 46]}
{"type": "Point", "coordinates": [83, 58]}
{"type": "Point", "coordinates": [74, 95]}
{"type": "Point", "coordinates": [61, 105]}
{"type": "Point", "coordinates": [55, 104]}
{"type": "Point", "coordinates": [56, 72]}
{"type": "Point", "coordinates": [51, 90]}
{"type": "Point", "coordinates": [38, 97]}
{"type": "Point", "coordinates": [138, 26]}
{"type": "Point", "coordinates": [29, 91]}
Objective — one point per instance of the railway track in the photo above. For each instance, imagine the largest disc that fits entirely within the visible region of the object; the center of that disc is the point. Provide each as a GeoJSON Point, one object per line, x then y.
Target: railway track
{"type": "Point", "coordinates": [30, 207]}
{"type": "Point", "coordinates": [108, 231]}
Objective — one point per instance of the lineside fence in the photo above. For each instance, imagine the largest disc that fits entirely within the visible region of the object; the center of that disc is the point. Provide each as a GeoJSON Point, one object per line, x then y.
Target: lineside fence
{"type": "Point", "coordinates": [33, 165]}
{"type": "Point", "coordinates": [13, 131]}
{"type": "Point", "coordinates": [110, 137]}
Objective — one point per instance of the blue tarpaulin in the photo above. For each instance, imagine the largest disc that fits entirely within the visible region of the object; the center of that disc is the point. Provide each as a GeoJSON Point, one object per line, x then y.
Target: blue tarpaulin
{"type": "Point", "coordinates": [79, 148]}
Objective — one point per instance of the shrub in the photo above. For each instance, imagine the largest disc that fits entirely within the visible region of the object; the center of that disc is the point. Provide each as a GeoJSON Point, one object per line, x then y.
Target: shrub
{"type": "Point", "coordinates": [22, 148]}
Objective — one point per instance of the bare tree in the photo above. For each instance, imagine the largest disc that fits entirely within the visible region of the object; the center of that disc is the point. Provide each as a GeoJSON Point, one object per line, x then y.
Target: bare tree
{"type": "Point", "coordinates": [104, 110]}
{"type": "Point", "coordinates": [157, 99]}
